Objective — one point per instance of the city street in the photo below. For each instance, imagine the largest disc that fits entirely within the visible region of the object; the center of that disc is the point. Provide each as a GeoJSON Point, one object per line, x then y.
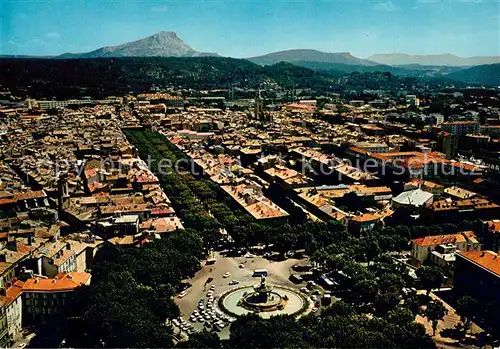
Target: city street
{"type": "Point", "coordinates": [278, 273]}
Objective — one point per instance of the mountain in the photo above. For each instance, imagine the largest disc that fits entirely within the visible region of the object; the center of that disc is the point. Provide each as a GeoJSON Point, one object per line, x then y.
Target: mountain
{"type": "Point", "coordinates": [482, 74]}
{"type": "Point", "coordinates": [163, 44]}
{"type": "Point", "coordinates": [300, 55]}
{"type": "Point", "coordinates": [434, 60]}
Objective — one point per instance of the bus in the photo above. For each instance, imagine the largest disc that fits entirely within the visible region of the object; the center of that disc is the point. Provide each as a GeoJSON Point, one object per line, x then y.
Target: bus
{"type": "Point", "coordinates": [259, 272]}
{"type": "Point", "coordinates": [327, 282]}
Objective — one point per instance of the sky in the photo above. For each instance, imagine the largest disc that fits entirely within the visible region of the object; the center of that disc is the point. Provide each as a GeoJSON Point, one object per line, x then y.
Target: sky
{"type": "Point", "coordinates": [245, 28]}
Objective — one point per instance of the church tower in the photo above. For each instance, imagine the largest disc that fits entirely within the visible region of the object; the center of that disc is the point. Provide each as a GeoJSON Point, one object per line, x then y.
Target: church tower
{"type": "Point", "coordinates": [259, 107]}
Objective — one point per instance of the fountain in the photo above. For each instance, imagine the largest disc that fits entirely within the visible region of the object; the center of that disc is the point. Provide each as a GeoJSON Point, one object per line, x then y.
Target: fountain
{"type": "Point", "coordinates": [263, 298]}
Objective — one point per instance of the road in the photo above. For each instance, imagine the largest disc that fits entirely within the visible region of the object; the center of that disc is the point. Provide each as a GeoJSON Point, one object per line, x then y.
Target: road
{"type": "Point", "coordinates": [279, 272]}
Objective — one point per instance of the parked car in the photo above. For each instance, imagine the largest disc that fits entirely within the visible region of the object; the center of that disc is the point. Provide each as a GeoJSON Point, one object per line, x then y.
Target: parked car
{"type": "Point", "coordinates": [226, 275]}
{"type": "Point", "coordinates": [182, 294]}
{"type": "Point", "coordinates": [234, 282]}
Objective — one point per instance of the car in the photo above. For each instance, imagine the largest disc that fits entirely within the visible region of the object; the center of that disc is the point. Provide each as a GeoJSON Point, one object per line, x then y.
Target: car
{"type": "Point", "coordinates": [314, 298]}
{"type": "Point", "coordinates": [226, 275]}
{"type": "Point", "coordinates": [201, 306]}
{"type": "Point", "coordinates": [315, 309]}
{"type": "Point", "coordinates": [192, 318]}
{"type": "Point", "coordinates": [200, 319]}
{"type": "Point", "coordinates": [212, 287]}
{"type": "Point", "coordinates": [311, 284]}
{"type": "Point", "coordinates": [304, 289]}
{"type": "Point", "coordinates": [317, 292]}
{"type": "Point", "coordinates": [317, 304]}
{"type": "Point", "coordinates": [241, 266]}
{"type": "Point", "coordinates": [21, 345]}
{"type": "Point", "coordinates": [234, 282]}
{"type": "Point", "coordinates": [207, 317]}
{"type": "Point", "coordinates": [182, 294]}
{"type": "Point", "coordinates": [196, 313]}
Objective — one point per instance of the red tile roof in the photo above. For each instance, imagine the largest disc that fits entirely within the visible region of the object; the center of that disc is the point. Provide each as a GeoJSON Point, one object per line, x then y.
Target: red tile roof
{"type": "Point", "coordinates": [62, 282]}
{"type": "Point", "coordinates": [487, 259]}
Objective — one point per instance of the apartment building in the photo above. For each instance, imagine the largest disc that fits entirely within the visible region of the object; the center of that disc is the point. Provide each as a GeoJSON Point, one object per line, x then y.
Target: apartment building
{"type": "Point", "coordinates": [421, 248]}
{"type": "Point", "coordinates": [461, 128]}
{"type": "Point", "coordinates": [43, 298]}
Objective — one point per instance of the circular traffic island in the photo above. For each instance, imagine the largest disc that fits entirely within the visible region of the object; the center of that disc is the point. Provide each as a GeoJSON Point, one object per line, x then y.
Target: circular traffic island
{"type": "Point", "coordinates": [263, 299]}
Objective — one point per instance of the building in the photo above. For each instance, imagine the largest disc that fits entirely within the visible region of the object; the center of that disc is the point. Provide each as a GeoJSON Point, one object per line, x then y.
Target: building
{"type": "Point", "coordinates": [449, 144]}
{"type": "Point", "coordinates": [367, 221]}
{"type": "Point", "coordinates": [460, 128]}
{"type": "Point", "coordinates": [412, 199]}
{"type": "Point", "coordinates": [45, 297]}
{"type": "Point", "coordinates": [444, 255]}
{"type": "Point", "coordinates": [491, 235]}
{"type": "Point", "coordinates": [372, 147]}
{"type": "Point", "coordinates": [4, 330]}
{"type": "Point", "coordinates": [259, 112]}
{"type": "Point", "coordinates": [250, 197]}
{"type": "Point", "coordinates": [490, 130]}
{"type": "Point", "coordinates": [62, 257]}
{"type": "Point", "coordinates": [449, 210]}
{"type": "Point", "coordinates": [421, 248]}
{"type": "Point", "coordinates": [412, 100]}
{"type": "Point", "coordinates": [428, 186]}
{"type": "Point", "coordinates": [31, 103]}
{"type": "Point", "coordinates": [10, 295]}
{"type": "Point", "coordinates": [477, 273]}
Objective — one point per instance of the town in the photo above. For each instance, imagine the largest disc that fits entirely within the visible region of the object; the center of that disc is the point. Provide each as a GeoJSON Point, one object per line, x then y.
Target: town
{"type": "Point", "coordinates": [367, 206]}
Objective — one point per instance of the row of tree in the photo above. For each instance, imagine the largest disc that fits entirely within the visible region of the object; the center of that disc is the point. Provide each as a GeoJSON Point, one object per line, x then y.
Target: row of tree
{"type": "Point", "coordinates": [131, 293]}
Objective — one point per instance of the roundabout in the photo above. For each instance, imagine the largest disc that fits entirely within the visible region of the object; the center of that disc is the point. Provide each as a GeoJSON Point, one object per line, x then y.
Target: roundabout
{"type": "Point", "coordinates": [263, 299]}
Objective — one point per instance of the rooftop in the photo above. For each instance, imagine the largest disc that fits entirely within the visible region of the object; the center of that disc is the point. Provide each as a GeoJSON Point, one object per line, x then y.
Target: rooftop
{"type": "Point", "coordinates": [488, 260]}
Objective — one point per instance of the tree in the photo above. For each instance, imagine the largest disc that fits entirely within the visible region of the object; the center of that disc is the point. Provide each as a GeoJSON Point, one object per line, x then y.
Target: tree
{"type": "Point", "coordinates": [203, 339]}
{"type": "Point", "coordinates": [435, 311]}
{"type": "Point", "coordinates": [467, 308]}
{"type": "Point", "coordinates": [370, 247]}
{"type": "Point", "coordinates": [491, 318]}
{"type": "Point", "coordinates": [430, 277]}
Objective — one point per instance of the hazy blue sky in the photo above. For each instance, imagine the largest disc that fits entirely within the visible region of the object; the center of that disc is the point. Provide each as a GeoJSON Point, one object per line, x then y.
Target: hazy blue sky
{"type": "Point", "coordinates": [242, 28]}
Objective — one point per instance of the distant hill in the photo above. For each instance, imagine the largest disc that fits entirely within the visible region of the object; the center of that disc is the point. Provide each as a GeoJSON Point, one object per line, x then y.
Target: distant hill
{"type": "Point", "coordinates": [483, 74]}
{"type": "Point", "coordinates": [396, 59]}
{"type": "Point", "coordinates": [98, 77]}
{"type": "Point", "coordinates": [299, 55]}
{"type": "Point", "coordinates": [163, 44]}
{"type": "Point", "coordinates": [414, 70]}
